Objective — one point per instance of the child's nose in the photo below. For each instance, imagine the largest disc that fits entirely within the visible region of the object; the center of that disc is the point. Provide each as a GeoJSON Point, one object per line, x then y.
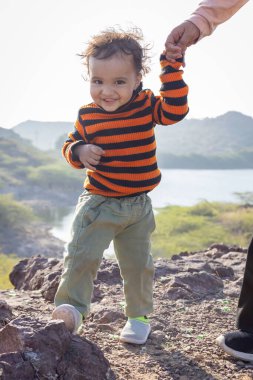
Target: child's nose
{"type": "Point", "coordinates": [107, 90]}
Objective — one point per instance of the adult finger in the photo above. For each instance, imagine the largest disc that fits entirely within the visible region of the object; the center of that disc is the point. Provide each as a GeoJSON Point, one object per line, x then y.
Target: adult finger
{"type": "Point", "coordinates": [173, 52]}
{"type": "Point", "coordinates": [173, 49]}
{"type": "Point", "coordinates": [190, 35]}
{"type": "Point", "coordinates": [174, 37]}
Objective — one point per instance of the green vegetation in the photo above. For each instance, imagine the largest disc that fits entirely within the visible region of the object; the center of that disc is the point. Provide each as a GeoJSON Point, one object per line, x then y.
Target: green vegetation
{"type": "Point", "coordinates": [245, 198]}
{"type": "Point", "coordinates": [22, 163]}
{"type": "Point", "coordinates": [15, 158]}
{"type": "Point", "coordinates": [13, 214]}
{"type": "Point", "coordinates": [56, 175]}
{"type": "Point", "coordinates": [14, 218]}
{"type": "Point", "coordinates": [195, 228]}
{"type": "Point", "coordinates": [178, 229]}
{"type": "Point", "coordinates": [25, 170]}
{"type": "Point", "coordinates": [7, 263]}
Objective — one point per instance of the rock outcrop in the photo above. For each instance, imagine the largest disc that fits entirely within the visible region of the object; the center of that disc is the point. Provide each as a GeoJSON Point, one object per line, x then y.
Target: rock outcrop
{"type": "Point", "coordinates": [195, 298]}
{"type": "Point", "coordinates": [187, 275]}
{"type": "Point", "coordinates": [32, 349]}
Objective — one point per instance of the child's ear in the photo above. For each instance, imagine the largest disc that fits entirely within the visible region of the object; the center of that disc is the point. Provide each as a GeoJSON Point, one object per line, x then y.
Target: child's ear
{"type": "Point", "coordinates": [138, 80]}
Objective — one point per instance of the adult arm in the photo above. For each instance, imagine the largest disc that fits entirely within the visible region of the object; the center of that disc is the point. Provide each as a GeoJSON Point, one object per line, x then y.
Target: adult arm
{"type": "Point", "coordinates": [212, 13]}
{"type": "Point", "coordinates": [201, 23]}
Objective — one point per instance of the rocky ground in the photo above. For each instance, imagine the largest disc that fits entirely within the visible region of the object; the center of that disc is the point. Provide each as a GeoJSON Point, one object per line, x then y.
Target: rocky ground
{"type": "Point", "coordinates": [195, 298]}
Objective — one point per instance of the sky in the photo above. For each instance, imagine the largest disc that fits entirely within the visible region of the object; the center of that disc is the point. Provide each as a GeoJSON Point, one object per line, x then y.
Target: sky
{"type": "Point", "coordinates": [41, 75]}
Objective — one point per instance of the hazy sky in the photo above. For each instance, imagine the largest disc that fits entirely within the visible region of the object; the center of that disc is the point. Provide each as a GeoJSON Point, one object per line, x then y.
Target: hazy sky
{"type": "Point", "coordinates": [41, 74]}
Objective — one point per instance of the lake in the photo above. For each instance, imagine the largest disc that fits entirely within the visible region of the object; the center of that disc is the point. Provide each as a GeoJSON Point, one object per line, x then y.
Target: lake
{"type": "Point", "coordinates": [185, 188]}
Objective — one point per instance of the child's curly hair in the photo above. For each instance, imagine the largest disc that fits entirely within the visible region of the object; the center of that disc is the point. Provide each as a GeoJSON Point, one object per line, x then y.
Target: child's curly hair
{"type": "Point", "coordinates": [112, 41]}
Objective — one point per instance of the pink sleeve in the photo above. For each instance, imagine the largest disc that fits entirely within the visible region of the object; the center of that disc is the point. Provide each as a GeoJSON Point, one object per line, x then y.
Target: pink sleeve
{"type": "Point", "coordinates": [211, 13]}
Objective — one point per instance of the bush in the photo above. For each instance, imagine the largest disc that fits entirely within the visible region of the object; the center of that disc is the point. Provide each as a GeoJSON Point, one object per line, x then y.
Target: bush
{"type": "Point", "coordinates": [56, 176]}
{"type": "Point", "coordinates": [14, 214]}
{"type": "Point", "coordinates": [196, 228]}
{"type": "Point", "coordinates": [7, 262]}
{"type": "Point", "coordinates": [204, 209]}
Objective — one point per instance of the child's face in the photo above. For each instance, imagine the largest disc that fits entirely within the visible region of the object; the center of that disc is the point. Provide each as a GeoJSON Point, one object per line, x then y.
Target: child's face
{"type": "Point", "coordinates": [112, 81]}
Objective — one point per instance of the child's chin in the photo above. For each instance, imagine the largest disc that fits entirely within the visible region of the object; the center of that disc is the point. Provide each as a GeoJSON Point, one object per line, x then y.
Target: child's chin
{"type": "Point", "coordinates": [110, 108]}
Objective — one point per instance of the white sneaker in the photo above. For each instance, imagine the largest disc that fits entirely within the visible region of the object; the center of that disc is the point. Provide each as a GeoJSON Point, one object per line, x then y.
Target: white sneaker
{"type": "Point", "coordinates": [135, 332]}
{"type": "Point", "coordinates": [72, 318]}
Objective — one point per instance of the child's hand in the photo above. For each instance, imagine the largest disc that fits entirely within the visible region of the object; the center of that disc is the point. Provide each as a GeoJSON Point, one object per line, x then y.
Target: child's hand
{"type": "Point", "coordinates": [89, 155]}
{"type": "Point", "coordinates": [179, 39]}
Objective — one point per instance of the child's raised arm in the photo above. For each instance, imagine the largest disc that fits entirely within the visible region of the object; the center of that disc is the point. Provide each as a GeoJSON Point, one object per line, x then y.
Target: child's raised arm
{"type": "Point", "coordinates": [171, 106]}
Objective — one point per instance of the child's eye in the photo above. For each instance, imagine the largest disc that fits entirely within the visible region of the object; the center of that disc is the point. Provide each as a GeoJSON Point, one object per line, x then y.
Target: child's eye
{"type": "Point", "coordinates": [120, 81]}
{"type": "Point", "coordinates": [96, 81]}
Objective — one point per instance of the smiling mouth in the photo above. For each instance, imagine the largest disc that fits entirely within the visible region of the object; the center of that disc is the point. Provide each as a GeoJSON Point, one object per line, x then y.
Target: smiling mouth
{"type": "Point", "coordinates": [109, 100]}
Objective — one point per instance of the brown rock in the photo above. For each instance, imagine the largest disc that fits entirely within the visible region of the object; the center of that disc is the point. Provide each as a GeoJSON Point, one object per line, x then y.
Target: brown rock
{"type": "Point", "coordinates": [108, 273]}
{"type": "Point", "coordinates": [14, 366]}
{"type": "Point", "coordinates": [222, 271]}
{"type": "Point", "coordinates": [102, 314]}
{"type": "Point", "coordinates": [201, 283]}
{"type": "Point", "coordinates": [32, 349]}
{"type": "Point", "coordinates": [5, 313]}
{"type": "Point", "coordinates": [37, 273]}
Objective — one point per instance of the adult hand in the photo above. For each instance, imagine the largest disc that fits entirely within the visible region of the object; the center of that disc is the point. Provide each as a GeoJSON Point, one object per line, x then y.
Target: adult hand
{"type": "Point", "coordinates": [89, 155]}
{"type": "Point", "coordinates": [179, 39]}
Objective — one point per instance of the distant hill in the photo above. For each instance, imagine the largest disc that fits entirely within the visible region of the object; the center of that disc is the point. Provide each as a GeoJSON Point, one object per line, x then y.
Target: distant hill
{"type": "Point", "coordinates": [31, 174]}
{"type": "Point", "coordinates": [43, 134]}
{"type": "Point", "coordinates": [225, 141]}
{"type": "Point", "coordinates": [224, 134]}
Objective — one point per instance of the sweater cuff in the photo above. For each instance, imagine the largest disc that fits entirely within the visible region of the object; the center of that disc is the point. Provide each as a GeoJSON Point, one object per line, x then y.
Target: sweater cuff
{"type": "Point", "coordinates": [72, 150]}
{"type": "Point", "coordinates": [165, 63]}
{"type": "Point", "coordinates": [70, 156]}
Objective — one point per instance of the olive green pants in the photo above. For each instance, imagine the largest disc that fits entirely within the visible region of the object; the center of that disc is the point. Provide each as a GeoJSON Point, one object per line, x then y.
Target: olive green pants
{"type": "Point", "coordinates": [98, 220]}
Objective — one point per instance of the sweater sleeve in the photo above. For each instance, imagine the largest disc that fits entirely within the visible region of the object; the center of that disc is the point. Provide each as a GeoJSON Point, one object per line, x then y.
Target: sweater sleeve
{"type": "Point", "coordinates": [171, 106]}
{"type": "Point", "coordinates": [77, 137]}
{"type": "Point", "coordinates": [212, 13]}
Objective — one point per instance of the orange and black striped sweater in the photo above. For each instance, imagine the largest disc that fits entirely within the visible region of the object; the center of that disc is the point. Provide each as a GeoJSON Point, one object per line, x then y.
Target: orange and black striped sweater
{"type": "Point", "coordinates": [129, 165]}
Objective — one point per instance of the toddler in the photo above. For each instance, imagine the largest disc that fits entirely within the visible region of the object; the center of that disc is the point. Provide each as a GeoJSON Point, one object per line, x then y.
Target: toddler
{"type": "Point", "coordinates": [114, 140]}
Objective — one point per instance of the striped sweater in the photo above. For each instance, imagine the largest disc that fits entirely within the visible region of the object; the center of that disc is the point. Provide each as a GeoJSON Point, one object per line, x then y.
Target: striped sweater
{"type": "Point", "coordinates": [129, 165]}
